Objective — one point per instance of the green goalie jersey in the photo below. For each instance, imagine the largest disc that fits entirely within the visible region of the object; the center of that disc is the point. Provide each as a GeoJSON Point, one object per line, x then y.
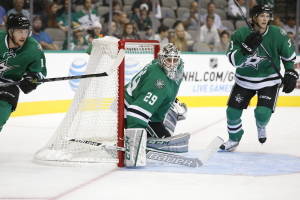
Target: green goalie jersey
{"type": "Point", "coordinates": [149, 95]}
{"type": "Point", "coordinates": [14, 64]}
{"type": "Point", "coordinates": [255, 71]}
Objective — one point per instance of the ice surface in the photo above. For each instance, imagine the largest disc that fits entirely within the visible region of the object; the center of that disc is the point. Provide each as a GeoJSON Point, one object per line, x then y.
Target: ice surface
{"type": "Point", "coordinates": [253, 171]}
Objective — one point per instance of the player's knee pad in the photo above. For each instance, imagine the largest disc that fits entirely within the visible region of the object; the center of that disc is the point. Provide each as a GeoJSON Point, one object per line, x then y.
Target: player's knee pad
{"type": "Point", "coordinates": [233, 114]}
{"type": "Point", "coordinates": [262, 114]}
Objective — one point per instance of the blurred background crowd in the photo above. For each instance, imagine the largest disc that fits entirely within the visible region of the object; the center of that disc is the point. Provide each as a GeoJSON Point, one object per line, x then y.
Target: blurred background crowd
{"type": "Point", "coordinates": [175, 21]}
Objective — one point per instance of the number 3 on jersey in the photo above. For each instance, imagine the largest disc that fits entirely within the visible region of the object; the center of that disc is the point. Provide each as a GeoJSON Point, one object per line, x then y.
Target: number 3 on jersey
{"type": "Point", "coordinates": [150, 98]}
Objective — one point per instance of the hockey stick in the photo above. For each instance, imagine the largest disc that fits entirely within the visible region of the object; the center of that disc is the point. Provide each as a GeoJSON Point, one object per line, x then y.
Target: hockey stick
{"type": "Point", "coordinates": [94, 143]}
{"type": "Point", "coordinates": [263, 48]}
{"type": "Point", "coordinates": [167, 157]}
{"type": "Point", "coordinates": [108, 72]}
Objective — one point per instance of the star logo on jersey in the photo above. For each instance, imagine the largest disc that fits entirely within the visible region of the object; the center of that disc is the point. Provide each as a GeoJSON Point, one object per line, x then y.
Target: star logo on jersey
{"type": "Point", "coordinates": [159, 84]}
{"type": "Point", "coordinates": [254, 60]}
{"type": "Point", "coordinates": [4, 67]}
{"type": "Point", "coordinates": [39, 47]}
{"type": "Point", "coordinates": [9, 54]}
{"type": "Point", "coordinates": [283, 32]}
{"type": "Point", "coordinates": [238, 98]}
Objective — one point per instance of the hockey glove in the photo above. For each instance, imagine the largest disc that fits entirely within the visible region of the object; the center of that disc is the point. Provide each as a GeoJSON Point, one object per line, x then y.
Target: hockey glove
{"type": "Point", "coordinates": [26, 84]}
{"type": "Point", "coordinates": [251, 43]}
{"type": "Point", "coordinates": [290, 80]}
{"type": "Point", "coordinates": [180, 109]}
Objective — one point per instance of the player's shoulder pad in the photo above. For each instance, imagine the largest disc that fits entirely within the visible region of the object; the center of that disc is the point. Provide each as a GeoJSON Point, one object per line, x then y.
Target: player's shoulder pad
{"type": "Point", "coordinates": [277, 30]}
{"type": "Point", "coordinates": [34, 45]}
{"type": "Point", "coordinates": [160, 83]}
{"type": "Point", "coordinates": [240, 34]}
{"type": "Point", "coordinates": [156, 77]}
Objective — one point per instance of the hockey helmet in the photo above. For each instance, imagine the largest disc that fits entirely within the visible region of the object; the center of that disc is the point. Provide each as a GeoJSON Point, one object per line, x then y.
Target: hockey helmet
{"type": "Point", "coordinates": [17, 21]}
{"type": "Point", "coordinates": [261, 8]}
{"type": "Point", "coordinates": [169, 60]}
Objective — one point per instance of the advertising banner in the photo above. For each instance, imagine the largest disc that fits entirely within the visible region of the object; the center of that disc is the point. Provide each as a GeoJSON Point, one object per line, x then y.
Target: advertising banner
{"type": "Point", "coordinates": [207, 81]}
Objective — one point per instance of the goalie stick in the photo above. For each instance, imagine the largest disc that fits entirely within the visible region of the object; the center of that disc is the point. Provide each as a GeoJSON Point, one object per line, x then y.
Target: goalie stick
{"type": "Point", "coordinates": [108, 72]}
{"type": "Point", "coordinates": [166, 157]}
{"type": "Point", "coordinates": [262, 47]}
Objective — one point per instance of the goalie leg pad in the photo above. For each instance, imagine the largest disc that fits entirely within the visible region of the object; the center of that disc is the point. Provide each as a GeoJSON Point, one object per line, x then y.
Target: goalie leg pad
{"type": "Point", "coordinates": [135, 147]}
{"type": "Point", "coordinates": [169, 140]}
{"type": "Point", "coordinates": [174, 159]}
{"type": "Point", "coordinates": [180, 147]}
{"type": "Point", "coordinates": [177, 143]}
{"type": "Point", "coordinates": [170, 121]}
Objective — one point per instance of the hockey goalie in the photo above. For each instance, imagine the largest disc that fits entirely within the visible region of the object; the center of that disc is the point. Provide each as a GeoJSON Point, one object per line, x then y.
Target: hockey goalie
{"type": "Point", "coordinates": [152, 108]}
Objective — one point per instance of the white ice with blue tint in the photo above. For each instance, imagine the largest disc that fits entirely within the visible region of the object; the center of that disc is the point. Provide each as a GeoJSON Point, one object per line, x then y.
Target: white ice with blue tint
{"type": "Point", "coordinates": [253, 171]}
{"type": "Point", "coordinates": [251, 164]}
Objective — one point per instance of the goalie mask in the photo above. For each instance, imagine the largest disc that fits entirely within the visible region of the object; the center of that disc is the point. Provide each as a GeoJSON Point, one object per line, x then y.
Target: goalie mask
{"type": "Point", "coordinates": [169, 60]}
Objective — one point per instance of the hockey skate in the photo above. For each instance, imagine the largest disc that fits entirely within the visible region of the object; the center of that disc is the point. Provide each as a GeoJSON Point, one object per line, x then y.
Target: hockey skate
{"type": "Point", "coordinates": [262, 134]}
{"type": "Point", "coordinates": [230, 145]}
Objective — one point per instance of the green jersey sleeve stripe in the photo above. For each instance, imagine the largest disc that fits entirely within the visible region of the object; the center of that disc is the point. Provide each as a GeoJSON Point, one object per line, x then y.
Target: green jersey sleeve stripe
{"type": "Point", "coordinates": [136, 112]}
{"type": "Point", "coordinates": [292, 58]}
{"type": "Point", "coordinates": [139, 109]}
{"type": "Point", "coordinates": [137, 116]}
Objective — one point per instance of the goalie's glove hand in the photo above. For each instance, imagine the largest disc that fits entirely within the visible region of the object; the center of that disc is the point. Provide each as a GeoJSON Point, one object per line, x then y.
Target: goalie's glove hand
{"type": "Point", "coordinates": [290, 80]}
{"type": "Point", "coordinates": [251, 43]}
{"type": "Point", "coordinates": [180, 109]}
{"type": "Point", "coordinates": [26, 84]}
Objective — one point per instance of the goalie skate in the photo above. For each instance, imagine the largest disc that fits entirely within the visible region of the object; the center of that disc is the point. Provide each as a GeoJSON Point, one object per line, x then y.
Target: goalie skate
{"type": "Point", "coordinates": [230, 145]}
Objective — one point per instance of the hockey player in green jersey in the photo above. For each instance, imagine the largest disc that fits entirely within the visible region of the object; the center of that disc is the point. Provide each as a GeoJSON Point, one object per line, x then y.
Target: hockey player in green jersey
{"type": "Point", "coordinates": [150, 94]}
{"type": "Point", "coordinates": [255, 74]}
{"type": "Point", "coordinates": [21, 58]}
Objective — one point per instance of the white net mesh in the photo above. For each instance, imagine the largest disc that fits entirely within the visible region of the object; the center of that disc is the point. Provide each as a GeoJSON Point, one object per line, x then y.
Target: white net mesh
{"type": "Point", "coordinates": [93, 114]}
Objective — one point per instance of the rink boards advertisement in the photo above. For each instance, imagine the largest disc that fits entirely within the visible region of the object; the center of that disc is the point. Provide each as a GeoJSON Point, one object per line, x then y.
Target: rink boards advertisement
{"type": "Point", "coordinates": [207, 81]}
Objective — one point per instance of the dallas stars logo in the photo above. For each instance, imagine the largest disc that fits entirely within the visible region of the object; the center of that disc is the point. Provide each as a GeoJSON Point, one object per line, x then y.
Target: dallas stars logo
{"type": "Point", "coordinates": [4, 67]}
{"type": "Point", "coordinates": [9, 54]}
{"type": "Point", "coordinates": [159, 84]}
{"type": "Point", "coordinates": [254, 60]}
{"type": "Point", "coordinates": [238, 98]}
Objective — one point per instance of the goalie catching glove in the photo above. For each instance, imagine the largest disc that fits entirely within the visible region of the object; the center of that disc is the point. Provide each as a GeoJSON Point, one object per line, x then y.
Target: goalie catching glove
{"type": "Point", "coordinates": [251, 43]}
{"type": "Point", "coordinates": [290, 80]}
{"type": "Point", "coordinates": [177, 112]}
{"type": "Point", "coordinates": [180, 109]}
{"type": "Point", "coordinates": [26, 84]}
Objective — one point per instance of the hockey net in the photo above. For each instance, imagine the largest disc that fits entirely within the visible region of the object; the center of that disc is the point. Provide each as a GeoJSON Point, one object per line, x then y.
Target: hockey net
{"type": "Point", "coordinates": [97, 110]}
